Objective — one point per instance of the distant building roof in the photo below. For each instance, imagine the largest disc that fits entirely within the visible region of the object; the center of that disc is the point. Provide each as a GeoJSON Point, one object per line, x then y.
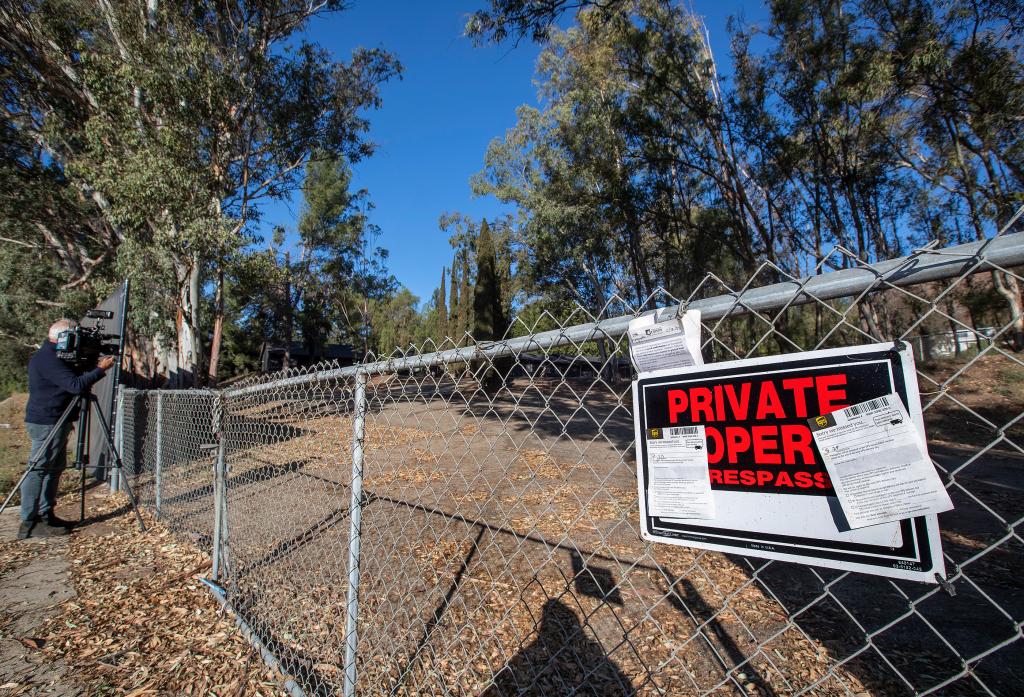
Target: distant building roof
{"type": "Point", "coordinates": [270, 356]}
{"type": "Point", "coordinates": [299, 350]}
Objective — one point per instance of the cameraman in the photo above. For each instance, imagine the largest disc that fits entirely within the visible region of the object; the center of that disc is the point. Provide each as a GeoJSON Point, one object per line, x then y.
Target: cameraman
{"type": "Point", "coordinates": [52, 384]}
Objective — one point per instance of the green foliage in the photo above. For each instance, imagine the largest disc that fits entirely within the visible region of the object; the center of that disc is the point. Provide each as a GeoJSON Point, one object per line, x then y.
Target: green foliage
{"type": "Point", "coordinates": [455, 312]}
{"type": "Point", "coordinates": [440, 324]}
{"type": "Point", "coordinates": [143, 146]}
{"type": "Point", "coordinates": [466, 303]}
{"type": "Point", "coordinates": [489, 320]}
{"type": "Point", "coordinates": [330, 288]}
{"type": "Point", "coordinates": [508, 251]}
{"type": "Point", "coordinates": [31, 298]}
{"type": "Point", "coordinates": [397, 324]}
{"type": "Point", "coordinates": [519, 19]}
{"type": "Point", "coordinates": [606, 207]}
{"type": "Point", "coordinates": [869, 125]}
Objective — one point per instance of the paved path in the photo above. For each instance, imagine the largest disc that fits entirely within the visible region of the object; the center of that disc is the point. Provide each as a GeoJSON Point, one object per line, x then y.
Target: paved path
{"type": "Point", "coordinates": [29, 594]}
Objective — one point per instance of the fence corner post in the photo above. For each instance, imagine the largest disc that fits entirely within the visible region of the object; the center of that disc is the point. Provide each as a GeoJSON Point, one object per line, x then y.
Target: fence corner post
{"type": "Point", "coordinates": [115, 472]}
{"type": "Point", "coordinates": [355, 518]}
{"type": "Point", "coordinates": [219, 488]}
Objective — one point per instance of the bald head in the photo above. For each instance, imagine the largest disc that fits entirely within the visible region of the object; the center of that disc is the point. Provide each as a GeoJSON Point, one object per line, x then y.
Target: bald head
{"type": "Point", "coordinates": [59, 326]}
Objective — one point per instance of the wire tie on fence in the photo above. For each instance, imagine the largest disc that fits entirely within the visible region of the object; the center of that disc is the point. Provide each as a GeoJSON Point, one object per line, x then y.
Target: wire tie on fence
{"type": "Point", "coordinates": [897, 347]}
{"type": "Point", "coordinates": [925, 249]}
{"type": "Point", "coordinates": [945, 585]}
{"type": "Point", "coordinates": [680, 309]}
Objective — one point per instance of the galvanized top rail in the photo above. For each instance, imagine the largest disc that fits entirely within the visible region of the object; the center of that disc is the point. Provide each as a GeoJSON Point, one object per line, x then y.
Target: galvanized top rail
{"type": "Point", "coordinates": [921, 266]}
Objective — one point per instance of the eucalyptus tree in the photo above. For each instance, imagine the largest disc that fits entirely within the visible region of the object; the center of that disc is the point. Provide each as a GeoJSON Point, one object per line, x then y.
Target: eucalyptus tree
{"type": "Point", "coordinates": [554, 165]}
{"type": "Point", "coordinates": [518, 19]}
{"type": "Point", "coordinates": [172, 123]}
{"type": "Point", "coordinates": [398, 325]}
{"type": "Point", "coordinates": [963, 63]}
{"type": "Point", "coordinates": [862, 123]}
{"type": "Point", "coordinates": [820, 104]}
{"type": "Point", "coordinates": [630, 172]}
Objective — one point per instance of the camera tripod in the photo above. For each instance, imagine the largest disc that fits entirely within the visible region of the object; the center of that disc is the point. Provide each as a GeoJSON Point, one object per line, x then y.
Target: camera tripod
{"type": "Point", "coordinates": [86, 402]}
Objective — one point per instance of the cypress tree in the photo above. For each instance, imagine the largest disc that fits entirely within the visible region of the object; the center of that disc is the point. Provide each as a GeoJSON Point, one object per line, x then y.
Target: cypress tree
{"type": "Point", "coordinates": [455, 303]}
{"type": "Point", "coordinates": [465, 301]}
{"type": "Point", "coordinates": [442, 309]}
{"type": "Point", "coordinates": [489, 323]}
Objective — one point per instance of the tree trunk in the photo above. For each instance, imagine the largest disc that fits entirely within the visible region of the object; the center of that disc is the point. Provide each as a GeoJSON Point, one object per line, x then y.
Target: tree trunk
{"type": "Point", "coordinates": [1008, 287]}
{"type": "Point", "coordinates": [289, 317]}
{"type": "Point", "coordinates": [194, 291]}
{"type": "Point", "coordinates": [605, 372]}
{"type": "Point", "coordinates": [141, 366]}
{"type": "Point", "coordinates": [954, 330]}
{"type": "Point", "coordinates": [186, 325]}
{"type": "Point", "coordinates": [218, 330]}
{"type": "Point", "coordinates": [869, 320]}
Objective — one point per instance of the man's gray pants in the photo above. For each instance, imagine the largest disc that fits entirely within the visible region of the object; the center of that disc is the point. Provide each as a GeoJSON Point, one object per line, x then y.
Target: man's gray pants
{"type": "Point", "coordinates": [39, 490]}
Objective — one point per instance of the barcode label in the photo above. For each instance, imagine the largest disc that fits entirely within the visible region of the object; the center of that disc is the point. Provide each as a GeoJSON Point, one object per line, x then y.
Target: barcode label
{"type": "Point", "coordinates": [682, 431]}
{"type": "Point", "coordinates": [858, 409]}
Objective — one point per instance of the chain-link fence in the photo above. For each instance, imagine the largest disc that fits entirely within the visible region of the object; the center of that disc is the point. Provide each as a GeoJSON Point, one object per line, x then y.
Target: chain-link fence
{"type": "Point", "coordinates": [462, 519]}
{"type": "Point", "coordinates": [168, 449]}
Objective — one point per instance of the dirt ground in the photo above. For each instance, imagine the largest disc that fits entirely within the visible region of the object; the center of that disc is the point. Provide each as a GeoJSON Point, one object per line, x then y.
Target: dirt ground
{"type": "Point", "coordinates": [29, 595]}
{"type": "Point", "coordinates": [501, 555]}
{"type": "Point", "coordinates": [501, 552]}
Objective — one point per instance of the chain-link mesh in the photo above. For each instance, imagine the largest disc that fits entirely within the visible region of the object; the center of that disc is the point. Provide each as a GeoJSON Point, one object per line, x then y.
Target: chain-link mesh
{"type": "Point", "coordinates": [500, 542]}
{"type": "Point", "coordinates": [288, 464]}
{"type": "Point", "coordinates": [138, 431]}
{"type": "Point", "coordinates": [170, 462]}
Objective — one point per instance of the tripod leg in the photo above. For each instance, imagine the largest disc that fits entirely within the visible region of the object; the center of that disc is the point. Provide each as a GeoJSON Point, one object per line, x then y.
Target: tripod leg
{"type": "Point", "coordinates": [15, 489]}
{"type": "Point", "coordinates": [82, 455]}
{"type": "Point", "coordinates": [33, 464]}
{"type": "Point", "coordinates": [109, 438]}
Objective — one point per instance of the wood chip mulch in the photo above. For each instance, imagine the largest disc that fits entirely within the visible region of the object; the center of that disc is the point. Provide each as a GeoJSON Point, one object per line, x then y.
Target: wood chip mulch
{"type": "Point", "coordinates": [143, 623]}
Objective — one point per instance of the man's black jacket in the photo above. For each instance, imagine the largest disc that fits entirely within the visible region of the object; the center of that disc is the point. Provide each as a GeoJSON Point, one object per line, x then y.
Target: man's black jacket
{"type": "Point", "coordinates": [52, 384]}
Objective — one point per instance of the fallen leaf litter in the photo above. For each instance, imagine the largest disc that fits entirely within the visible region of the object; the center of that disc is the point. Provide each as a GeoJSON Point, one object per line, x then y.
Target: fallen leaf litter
{"type": "Point", "coordinates": [143, 623]}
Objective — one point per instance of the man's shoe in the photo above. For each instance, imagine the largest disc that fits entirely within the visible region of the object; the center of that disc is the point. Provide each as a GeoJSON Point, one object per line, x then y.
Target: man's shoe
{"type": "Point", "coordinates": [56, 522]}
{"type": "Point", "coordinates": [44, 529]}
{"type": "Point", "coordinates": [25, 530]}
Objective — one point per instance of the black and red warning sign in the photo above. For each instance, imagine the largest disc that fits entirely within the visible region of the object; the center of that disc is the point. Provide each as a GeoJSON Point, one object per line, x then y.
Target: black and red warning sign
{"type": "Point", "coordinates": [772, 493]}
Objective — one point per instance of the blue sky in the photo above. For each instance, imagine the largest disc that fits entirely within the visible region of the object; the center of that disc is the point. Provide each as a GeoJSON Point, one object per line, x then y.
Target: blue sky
{"type": "Point", "coordinates": [435, 123]}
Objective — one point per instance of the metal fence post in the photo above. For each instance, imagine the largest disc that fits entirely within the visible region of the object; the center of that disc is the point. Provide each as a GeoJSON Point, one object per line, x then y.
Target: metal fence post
{"type": "Point", "coordinates": [115, 473]}
{"type": "Point", "coordinates": [355, 516]}
{"type": "Point", "coordinates": [218, 483]}
{"type": "Point", "coordinates": [159, 446]}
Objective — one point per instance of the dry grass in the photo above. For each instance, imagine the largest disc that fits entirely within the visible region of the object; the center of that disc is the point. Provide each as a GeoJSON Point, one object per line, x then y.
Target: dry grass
{"type": "Point", "coordinates": [14, 442]}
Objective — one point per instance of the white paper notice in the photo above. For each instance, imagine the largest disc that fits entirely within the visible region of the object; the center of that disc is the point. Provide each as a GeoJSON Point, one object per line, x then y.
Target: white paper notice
{"type": "Point", "coordinates": [673, 343]}
{"type": "Point", "coordinates": [878, 463]}
{"type": "Point", "coordinates": [677, 466]}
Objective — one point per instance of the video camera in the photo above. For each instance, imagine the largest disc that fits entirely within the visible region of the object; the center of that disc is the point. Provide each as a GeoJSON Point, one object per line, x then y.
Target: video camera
{"type": "Point", "coordinates": [84, 345]}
